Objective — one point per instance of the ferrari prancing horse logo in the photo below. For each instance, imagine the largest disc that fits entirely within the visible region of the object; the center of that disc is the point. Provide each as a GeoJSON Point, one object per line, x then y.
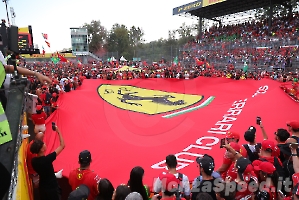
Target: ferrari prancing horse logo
{"type": "Point", "coordinates": [146, 101]}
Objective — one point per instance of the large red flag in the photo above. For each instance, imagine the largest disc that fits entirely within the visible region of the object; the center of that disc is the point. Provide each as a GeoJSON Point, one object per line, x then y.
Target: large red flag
{"type": "Point", "coordinates": [62, 58]}
{"type": "Point", "coordinates": [139, 122]}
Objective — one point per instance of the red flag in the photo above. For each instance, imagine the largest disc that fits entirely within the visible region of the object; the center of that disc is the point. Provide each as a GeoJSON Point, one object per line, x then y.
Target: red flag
{"type": "Point", "coordinates": [45, 36]}
{"type": "Point", "coordinates": [48, 44]}
{"type": "Point", "coordinates": [199, 62]}
{"type": "Point", "coordinates": [62, 59]}
{"type": "Point", "coordinates": [154, 117]}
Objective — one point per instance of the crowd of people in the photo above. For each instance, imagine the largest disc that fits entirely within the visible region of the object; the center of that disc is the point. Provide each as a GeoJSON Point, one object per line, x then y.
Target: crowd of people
{"type": "Point", "coordinates": [250, 41]}
{"type": "Point", "coordinates": [256, 170]}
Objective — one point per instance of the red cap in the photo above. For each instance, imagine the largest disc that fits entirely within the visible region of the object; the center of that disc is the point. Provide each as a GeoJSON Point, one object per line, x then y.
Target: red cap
{"type": "Point", "coordinates": [268, 144]}
{"type": "Point", "coordinates": [265, 167]}
{"type": "Point", "coordinates": [169, 181]}
{"type": "Point", "coordinates": [293, 124]}
{"type": "Point", "coordinates": [232, 135]}
{"type": "Point", "coordinates": [39, 107]}
{"type": "Point", "coordinates": [295, 178]}
{"type": "Point", "coordinates": [54, 94]}
{"type": "Point", "coordinates": [256, 162]}
{"type": "Point", "coordinates": [235, 146]}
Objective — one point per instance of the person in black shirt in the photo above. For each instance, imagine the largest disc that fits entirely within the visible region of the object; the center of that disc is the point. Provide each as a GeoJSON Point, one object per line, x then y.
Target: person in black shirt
{"type": "Point", "coordinates": [42, 164]}
{"type": "Point", "coordinates": [206, 167]}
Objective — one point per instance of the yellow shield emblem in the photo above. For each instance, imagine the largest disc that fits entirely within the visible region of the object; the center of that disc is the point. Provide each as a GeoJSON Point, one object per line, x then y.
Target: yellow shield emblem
{"type": "Point", "coordinates": [145, 101]}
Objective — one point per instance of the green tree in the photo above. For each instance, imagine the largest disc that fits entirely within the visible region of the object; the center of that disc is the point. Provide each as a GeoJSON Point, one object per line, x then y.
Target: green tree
{"type": "Point", "coordinates": [118, 40]}
{"type": "Point", "coordinates": [136, 36]}
{"type": "Point", "coordinates": [186, 33]}
{"type": "Point", "coordinates": [97, 35]}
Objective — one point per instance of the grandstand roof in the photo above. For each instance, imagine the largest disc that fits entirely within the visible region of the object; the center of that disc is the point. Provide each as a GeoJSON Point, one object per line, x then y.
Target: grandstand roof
{"type": "Point", "coordinates": [210, 9]}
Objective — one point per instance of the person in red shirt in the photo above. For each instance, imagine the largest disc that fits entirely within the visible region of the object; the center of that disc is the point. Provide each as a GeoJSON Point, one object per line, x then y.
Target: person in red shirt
{"type": "Point", "coordinates": [54, 104]}
{"type": "Point", "coordinates": [230, 137]}
{"type": "Point", "coordinates": [268, 175]}
{"type": "Point", "coordinates": [231, 173]}
{"type": "Point", "coordinates": [39, 119]}
{"type": "Point", "coordinates": [245, 174]}
{"type": "Point", "coordinates": [83, 175]}
{"type": "Point", "coordinates": [268, 152]}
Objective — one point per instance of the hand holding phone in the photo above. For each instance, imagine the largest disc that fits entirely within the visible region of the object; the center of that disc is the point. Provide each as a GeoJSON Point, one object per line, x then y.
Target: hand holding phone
{"type": "Point", "coordinates": [258, 120]}
{"type": "Point", "coordinates": [281, 194]}
{"type": "Point", "coordinates": [53, 126]}
{"type": "Point", "coordinates": [222, 142]}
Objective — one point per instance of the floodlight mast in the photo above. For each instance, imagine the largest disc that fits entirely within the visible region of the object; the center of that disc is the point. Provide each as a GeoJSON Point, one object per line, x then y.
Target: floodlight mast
{"type": "Point", "coordinates": [6, 1]}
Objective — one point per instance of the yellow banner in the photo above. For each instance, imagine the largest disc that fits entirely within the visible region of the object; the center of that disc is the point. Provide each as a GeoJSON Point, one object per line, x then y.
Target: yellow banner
{"type": "Point", "coordinates": [23, 30]}
{"type": "Point", "coordinates": [24, 187]}
{"type": "Point", "coordinates": [210, 2]}
{"type": "Point", "coordinates": [48, 55]}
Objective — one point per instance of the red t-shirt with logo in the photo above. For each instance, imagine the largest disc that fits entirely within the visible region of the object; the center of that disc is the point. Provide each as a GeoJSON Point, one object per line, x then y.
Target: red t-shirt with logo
{"type": "Point", "coordinates": [246, 190]}
{"type": "Point", "coordinates": [87, 177]}
{"type": "Point", "coordinates": [231, 172]}
{"type": "Point", "coordinates": [225, 161]}
{"type": "Point", "coordinates": [39, 119]}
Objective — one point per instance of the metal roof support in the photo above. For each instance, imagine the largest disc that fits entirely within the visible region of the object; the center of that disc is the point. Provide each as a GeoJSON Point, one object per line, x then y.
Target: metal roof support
{"type": "Point", "coordinates": [200, 28]}
{"type": "Point", "coordinates": [270, 18]}
{"type": "Point", "coordinates": [217, 20]}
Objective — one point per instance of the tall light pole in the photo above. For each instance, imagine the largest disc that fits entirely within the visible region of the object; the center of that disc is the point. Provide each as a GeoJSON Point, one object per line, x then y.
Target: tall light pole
{"type": "Point", "coordinates": [6, 1]}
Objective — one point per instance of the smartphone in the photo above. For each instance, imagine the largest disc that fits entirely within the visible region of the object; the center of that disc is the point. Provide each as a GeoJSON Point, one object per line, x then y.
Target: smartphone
{"type": "Point", "coordinates": [222, 142]}
{"type": "Point", "coordinates": [281, 194]}
{"type": "Point", "coordinates": [258, 120]}
{"type": "Point", "coordinates": [53, 126]}
{"type": "Point", "coordinates": [294, 145]}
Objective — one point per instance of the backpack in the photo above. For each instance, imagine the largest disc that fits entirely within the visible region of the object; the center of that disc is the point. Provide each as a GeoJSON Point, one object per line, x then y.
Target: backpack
{"type": "Point", "coordinates": [178, 193]}
{"type": "Point", "coordinates": [252, 156]}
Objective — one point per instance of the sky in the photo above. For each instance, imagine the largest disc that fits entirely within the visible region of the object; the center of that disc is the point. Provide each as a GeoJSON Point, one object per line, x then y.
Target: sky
{"type": "Point", "coordinates": [56, 17]}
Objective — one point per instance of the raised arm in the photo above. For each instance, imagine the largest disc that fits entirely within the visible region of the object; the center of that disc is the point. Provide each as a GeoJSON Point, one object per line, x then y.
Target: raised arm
{"type": "Point", "coordinates": [265, 136]}
{"type": "Point", "coordinates": [62, 145]}
{"type": "Point", "coordinates": [27, 72]}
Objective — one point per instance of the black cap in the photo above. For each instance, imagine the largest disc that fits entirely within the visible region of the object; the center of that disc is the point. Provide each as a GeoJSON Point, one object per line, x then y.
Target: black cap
{"type": "Point", "coordinates": [249, 135]}
{"type": "Point", "coordinates": [80, 193]}
{"type": "Point", "coordinates": [252, 129]}
{"type": "Point", "coordinates": [84, 157]}
{"type": "Point", "coordinates": [242, 167]}
{"type": "Point", "coordinates": [206, 162]}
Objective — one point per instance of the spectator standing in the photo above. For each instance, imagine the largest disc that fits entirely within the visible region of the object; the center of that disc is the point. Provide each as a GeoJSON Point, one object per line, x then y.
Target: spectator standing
{"type": "Point", "coordinates": [170, 188]}
{"type": "Point", "coordinates": [43, 165]}
{"type": "Point", "coordinates": [39, 119]}
{"type": "Point", "coordinates": [226, 163]}
{"type": "Point", "coordinates": [206, 167]}
{"type": "Point", "coordinates": [105, 189]}
{"type": "Point", "coordinates": [84, 175]}
{"type": "Point", "coordinates": [171, 163]}
{"type": "Point", "coordinates": [135, 183]}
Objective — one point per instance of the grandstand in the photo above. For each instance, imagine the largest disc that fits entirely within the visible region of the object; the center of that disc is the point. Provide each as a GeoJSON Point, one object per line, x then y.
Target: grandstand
{"type": "Point", "coordinates": [260, 45]}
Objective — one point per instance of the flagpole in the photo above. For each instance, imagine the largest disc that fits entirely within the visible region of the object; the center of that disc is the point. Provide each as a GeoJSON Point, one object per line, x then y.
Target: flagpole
{"type": "Point", "coordinates": [5, 1]}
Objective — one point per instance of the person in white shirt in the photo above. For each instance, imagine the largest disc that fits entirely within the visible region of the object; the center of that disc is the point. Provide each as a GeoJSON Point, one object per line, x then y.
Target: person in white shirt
{"type": "Point", "coordinates": [184, 186]}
